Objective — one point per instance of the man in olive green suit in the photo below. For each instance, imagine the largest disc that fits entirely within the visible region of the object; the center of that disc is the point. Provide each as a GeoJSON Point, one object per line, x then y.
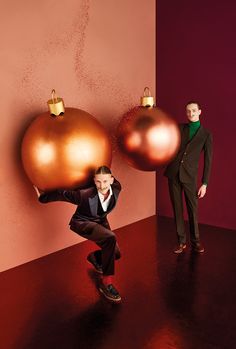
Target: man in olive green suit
{"type": "Point", "coordinates": [182, 176]}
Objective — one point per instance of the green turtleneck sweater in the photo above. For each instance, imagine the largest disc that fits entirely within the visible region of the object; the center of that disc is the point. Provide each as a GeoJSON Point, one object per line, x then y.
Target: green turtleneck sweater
{"type": "Point", "coordinates": [193, 127]}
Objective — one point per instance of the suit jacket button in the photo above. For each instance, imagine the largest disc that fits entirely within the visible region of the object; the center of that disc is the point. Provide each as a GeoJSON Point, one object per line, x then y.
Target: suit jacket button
{"type": "Point", "coordinates": [182, 161]}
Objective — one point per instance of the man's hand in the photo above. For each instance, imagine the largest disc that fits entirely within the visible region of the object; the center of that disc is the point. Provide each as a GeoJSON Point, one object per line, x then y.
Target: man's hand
{"type": "Point", "coordinates": [38, 191]}
{"type": "Point", "coordinates": [202, 191]}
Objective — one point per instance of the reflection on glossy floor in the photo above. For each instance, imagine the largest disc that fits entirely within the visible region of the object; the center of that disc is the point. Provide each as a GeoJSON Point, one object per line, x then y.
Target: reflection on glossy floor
{"type": "Point", "coordinates": [169, 301]}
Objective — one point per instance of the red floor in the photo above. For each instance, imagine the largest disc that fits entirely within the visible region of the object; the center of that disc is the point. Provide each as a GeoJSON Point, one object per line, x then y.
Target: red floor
{"type": "Point", "coordinates": [169, 301]}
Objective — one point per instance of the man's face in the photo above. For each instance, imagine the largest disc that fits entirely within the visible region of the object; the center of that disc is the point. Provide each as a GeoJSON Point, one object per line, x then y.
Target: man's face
{"type": "Point", "coordinates": [193, 112]}
{"type": "Point", "coordinates": [103, 182]}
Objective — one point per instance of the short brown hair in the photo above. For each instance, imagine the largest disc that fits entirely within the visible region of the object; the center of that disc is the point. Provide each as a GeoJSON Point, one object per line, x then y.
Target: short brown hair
{"type": "Point", "coordinates": [193, 102]}
{"type": "Point", "coordinates": [102, 170]}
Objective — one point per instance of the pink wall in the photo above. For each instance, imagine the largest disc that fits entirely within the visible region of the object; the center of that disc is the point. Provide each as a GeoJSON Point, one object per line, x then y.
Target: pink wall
{"type": "Point", "coordinates": [97, 57]}
{"type": "Point", "coordinates": [196, 55]}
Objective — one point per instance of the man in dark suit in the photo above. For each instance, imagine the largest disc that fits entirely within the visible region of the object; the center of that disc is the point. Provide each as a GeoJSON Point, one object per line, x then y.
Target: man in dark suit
{"type": "Point", "coordinates": [182, 176]}
{"type": "Point", "coordinates": [90, 221]}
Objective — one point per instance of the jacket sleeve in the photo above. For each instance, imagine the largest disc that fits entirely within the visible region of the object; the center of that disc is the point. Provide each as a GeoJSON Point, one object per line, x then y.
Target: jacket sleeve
{"type": "Point", "coordinates": [208, 151]}
{"type": "Point", "coordinates": [72, 196]}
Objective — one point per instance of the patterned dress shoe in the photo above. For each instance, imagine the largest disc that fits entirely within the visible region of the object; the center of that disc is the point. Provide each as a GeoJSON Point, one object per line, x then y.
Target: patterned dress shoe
{"type": "Point", "coordinates": [110, 292]}
{"type": "Point", "coordinates": [180, 248]}
{"type": "Point", "coordinates": [92, 260]}
{"type": "Point", "coordinates": [198, 248]}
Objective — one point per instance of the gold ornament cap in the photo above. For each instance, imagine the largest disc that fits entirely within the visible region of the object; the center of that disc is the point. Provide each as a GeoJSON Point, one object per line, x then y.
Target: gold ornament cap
{"type": "Point", "coordinates": [147, 100]}
{"type": "Point", "coordinates": [56, 104]}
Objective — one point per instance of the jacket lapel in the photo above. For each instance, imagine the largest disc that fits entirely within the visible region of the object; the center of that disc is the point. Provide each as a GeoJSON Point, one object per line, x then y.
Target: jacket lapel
{"type": "Point", "coordinates": [93, 203]}
{"type": "Point", "coordinates": [116, 193]}
{"type": "Point", "coordinates": [186, 134]}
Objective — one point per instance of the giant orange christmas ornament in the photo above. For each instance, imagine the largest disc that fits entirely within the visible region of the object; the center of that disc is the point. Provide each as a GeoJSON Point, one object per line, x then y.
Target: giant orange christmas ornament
{"type": "Point", "coordinates": [62, 147]}
{"type": "Point", "coordinates": [147, 136]}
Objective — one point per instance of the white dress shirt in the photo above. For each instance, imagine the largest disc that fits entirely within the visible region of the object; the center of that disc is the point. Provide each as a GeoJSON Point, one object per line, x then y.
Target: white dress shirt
{"type": "Point", "coordinates": [105, 203]}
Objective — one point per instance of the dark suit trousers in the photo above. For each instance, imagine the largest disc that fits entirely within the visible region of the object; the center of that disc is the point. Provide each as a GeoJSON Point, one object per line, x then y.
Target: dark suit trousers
{"type": "Point", "coordinates": [106, 240]}
{"type": "Point", "coordinates": [176, 190]}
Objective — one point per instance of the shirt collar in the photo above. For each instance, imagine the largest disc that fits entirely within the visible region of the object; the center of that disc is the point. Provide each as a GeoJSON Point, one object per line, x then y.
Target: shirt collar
{"type": "Point", "coordinates": [101, 196]}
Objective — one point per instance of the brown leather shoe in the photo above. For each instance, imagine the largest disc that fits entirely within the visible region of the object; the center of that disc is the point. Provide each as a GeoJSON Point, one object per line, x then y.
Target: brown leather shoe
{"type": "Point", "coordinates": [180, 249]}
{"type": "Point", "coordinates": [198, 248]}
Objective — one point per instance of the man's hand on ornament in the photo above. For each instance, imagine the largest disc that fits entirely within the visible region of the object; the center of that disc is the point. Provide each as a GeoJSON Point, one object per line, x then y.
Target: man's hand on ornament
{"type": "Point", "coordinates": [202, 191]}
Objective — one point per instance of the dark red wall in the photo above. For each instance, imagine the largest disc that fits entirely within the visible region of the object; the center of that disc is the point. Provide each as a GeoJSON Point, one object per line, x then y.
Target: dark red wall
{"type": "Point", "coordinates": [196, 59]}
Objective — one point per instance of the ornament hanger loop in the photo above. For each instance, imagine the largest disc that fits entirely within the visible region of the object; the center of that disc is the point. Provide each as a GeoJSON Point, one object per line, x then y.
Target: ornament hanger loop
{"type": "Point", "coordinates": [56, 104]}
{"type": "Point", "coordinates": [54, 96]}
{"type": "Point", "coordinates": [145, 91]}
{"type": "Point", "coordinates": [147, 100]}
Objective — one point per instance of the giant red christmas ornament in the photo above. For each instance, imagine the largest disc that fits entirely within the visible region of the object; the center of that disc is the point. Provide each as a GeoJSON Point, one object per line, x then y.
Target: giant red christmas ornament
{"type": "Point", "coordinates": [62, 147]}
{"type": "Point", "coordinates": [147, 136]}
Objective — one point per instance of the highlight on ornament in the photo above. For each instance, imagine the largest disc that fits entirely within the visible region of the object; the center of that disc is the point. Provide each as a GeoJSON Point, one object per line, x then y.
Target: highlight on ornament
{"type": "Point", "coordinates": [63, 146]}
{"type": "Point", "coordinates": [147, 136]}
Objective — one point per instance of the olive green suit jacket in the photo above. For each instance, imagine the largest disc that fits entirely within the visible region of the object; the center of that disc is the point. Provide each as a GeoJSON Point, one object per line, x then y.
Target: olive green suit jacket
{"type": "Point", "coordinates": [185, 164]}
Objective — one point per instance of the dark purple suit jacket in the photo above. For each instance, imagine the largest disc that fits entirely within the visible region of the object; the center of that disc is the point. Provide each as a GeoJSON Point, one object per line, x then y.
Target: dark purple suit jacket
{"type": "Point", "coordinates": [87, 202]}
